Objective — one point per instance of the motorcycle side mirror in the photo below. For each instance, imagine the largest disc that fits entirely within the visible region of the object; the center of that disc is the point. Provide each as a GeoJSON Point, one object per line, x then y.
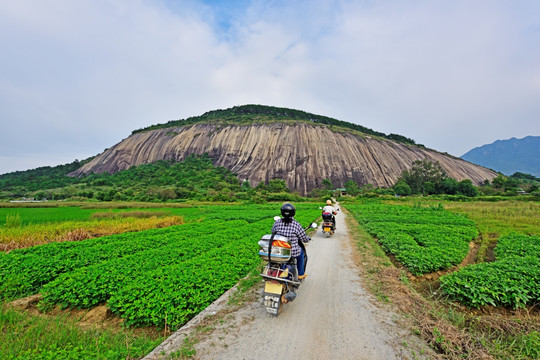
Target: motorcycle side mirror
{"type": "Point", "coordinates": [313, 225]}
{"type": "Point", "coordinates": [276, 218]}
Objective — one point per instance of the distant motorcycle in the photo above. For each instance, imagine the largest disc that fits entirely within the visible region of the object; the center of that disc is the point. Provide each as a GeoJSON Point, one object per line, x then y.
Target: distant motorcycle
{"type": "Point", "coordinates": [328, 226]}
{"type": "Point", "coordinates": [280, 272]}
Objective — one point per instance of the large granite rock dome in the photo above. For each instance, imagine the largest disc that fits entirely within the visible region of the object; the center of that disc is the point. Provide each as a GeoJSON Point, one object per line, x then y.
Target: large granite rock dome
{"type": "Point", "coordinates": [301, 153]}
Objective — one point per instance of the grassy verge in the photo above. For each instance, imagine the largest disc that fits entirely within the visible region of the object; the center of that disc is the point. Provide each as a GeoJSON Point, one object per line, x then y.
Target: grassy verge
{"type": "Point", "coordinates": [26, 336]}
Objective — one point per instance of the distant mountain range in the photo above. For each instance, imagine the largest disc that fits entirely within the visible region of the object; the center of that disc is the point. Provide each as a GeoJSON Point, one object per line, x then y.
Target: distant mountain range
{"type": "Point", "coordinates": [509, 156]}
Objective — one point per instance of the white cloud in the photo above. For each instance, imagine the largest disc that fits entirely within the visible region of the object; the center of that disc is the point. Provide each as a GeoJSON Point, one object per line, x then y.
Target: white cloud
{"type": "Point", "coordinates": [80, 76]}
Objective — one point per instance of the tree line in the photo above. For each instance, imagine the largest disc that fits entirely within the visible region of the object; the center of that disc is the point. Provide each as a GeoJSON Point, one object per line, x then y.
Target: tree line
{"type": "Point", "coordinates": [247, 114]}
{"type": "Point", "coordinates": [429, 178]}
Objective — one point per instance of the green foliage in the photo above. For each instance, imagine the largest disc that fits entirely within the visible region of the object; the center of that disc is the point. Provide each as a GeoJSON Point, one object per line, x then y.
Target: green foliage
{"type": "Point", "coordinates": [401, 138]}
{"type": "Point", "coordinates": [516, 184]}
{"type": "Point", "coordinates": [327, 184]}
{"type": "Point", "coordinates": [277, 186]}
{"type": "Point", "coordinates": [450, 186]}
{"type": "Point", "coordinates": [13, 221]}
{"type": "Point", "coordinates": [427, 178]}
{"type": "Point", "coordinates": [402, 188]}
{"type": "Point", "coordinates": [321, 194]}
{"type": "Point", "coordinates": [45, 177]}
{"type": "Point", "coordinates": [159, 277]}
{"type": "Point", "coordinates": [423, 177]}
{"type": "Point", "coordinates": [424, 240]}
{"type": "Point", "coordinates": [523, 176]}
{"type": "Point", "coordinates": [26, 336]}
{"type": "Point", "coordinates": [352, 188]}
{"type": "Point", "coordinates": [467, 188]}
{"type": "Point", "coordinates": [513, 280]}
{"type": "Point", "coordinates": [194, 178]}
{"type": "Point", "coordinates": [248, 114]}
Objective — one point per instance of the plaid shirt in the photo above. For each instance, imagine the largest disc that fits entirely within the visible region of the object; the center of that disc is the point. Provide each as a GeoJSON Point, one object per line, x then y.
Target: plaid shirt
{"type": "Point", "coordinates": [292, 231]}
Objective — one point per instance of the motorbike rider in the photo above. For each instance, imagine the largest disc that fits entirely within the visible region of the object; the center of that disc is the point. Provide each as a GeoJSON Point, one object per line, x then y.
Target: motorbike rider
{"type": "Point", "coordinates": [330, 209]}
{"type": "Point", "coordinates": [290, 228]}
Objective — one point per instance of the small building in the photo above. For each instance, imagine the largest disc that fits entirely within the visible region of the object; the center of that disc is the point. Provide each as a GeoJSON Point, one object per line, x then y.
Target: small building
{"type": "Point", "coordinates": [340, 192]}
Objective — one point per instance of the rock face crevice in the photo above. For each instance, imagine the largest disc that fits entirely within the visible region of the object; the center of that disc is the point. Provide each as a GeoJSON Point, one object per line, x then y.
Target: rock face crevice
{"type": "Point", "coordinates": [302, 154]}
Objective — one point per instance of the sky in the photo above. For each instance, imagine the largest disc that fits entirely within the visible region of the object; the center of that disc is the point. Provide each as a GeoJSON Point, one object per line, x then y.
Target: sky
{"type": "Point", "coordinates": [77, 77]}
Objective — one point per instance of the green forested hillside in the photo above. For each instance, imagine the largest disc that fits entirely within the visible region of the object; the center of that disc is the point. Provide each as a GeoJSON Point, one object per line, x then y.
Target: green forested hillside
{"type": "Point", "coordinates": [194, 178]}
{"type": "Point", "coordinates": [248, 114]}
{"type": "Point", "coordinates": [45, 177]}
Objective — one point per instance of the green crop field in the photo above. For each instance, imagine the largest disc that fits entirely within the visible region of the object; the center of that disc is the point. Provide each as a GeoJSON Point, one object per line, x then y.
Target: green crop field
{"type": "Point", "coordinates": [158, 277]}
{"type": "Point", "coordinates": [429, 238]}
{"type": "Point", "coordinates": [492, 302]}
{"type": "Point", "coordinates": [424, 240]}
{"type": "Point", "coordinates": [147, 277]}
{"type": "Point", "coordinates": [24, 216]}
{"type": "Point", "coordinates": [512, 280]}
{"type": "Point", "coordinates": [164, 276]}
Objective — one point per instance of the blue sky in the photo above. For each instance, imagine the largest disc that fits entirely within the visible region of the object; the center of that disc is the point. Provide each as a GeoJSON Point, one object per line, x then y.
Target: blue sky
{"type": "Point", "coordinates": [76, 77]}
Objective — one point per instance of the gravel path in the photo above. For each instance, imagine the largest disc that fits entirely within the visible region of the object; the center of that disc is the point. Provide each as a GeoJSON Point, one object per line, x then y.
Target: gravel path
{"type": "Point", "coordinates": [333, 317]}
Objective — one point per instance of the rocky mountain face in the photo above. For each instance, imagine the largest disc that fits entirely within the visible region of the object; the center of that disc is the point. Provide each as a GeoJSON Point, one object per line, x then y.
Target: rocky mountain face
{"type": "Point", "coordinates": [300, 153]}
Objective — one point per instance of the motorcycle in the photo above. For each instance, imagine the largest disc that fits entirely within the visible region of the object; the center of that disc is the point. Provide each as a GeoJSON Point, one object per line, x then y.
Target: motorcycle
{"type": "Point", "coordinates": [328, 226]}
{"type": "Point", "coordinates": [280, 273]}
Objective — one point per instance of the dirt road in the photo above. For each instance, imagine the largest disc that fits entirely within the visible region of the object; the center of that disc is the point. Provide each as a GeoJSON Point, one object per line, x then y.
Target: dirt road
{"type": "Point", "coordinates": [333, 316]}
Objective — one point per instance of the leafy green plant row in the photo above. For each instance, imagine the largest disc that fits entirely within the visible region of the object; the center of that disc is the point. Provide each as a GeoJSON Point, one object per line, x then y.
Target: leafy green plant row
{"type": "Point", "coordinates": [513, 280]}
{"type": "Point", "coordinates": [424, 240]}
{"type": "Point", "coordinates": [88, 286]}
{"type": "Point", "coordinates": [25, 271]}
{"type": "Point", "coordinates": [174, 294]}
{"type": "Point", "coordinates": [159, 277]}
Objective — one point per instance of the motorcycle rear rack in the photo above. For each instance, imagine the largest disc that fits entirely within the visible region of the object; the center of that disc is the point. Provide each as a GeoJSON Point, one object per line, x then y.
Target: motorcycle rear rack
{"type": "Point", "coordinates": [268, 277]}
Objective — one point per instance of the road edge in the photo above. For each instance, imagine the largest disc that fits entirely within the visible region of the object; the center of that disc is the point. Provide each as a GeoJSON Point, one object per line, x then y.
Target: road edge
{"type": "Point", "coordinates": [175, 341]}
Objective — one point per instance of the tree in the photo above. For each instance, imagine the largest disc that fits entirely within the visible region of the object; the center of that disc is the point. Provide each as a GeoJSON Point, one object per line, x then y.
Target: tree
{"type": "Point", "coordinates": [367, 188]}
{"type": "Point", "coordinates": [466, 187]}
{"type": "Point", "coordinates": [422, 173]}
{"type": "Point", "coordinates": [246, 185]}
{"type": "Point", "coordinates": [512, 183]}
{"type": "Point", "coordinates": [352, 188]}
{"type": "Point", "coordinates": [402, 188]}
{"type": "Point", "coordinates": [277, 185]}
{"type": "Point", "coordinates": [498, 182]}
{"type": "Point", "coordinates": [327, 184]}
{"type": "Point", "coordinates": [449, 186]}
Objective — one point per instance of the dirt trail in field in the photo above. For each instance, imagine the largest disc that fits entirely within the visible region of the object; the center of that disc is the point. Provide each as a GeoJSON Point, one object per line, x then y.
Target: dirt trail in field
{"type": "Point", "coordinates": [333, 316]}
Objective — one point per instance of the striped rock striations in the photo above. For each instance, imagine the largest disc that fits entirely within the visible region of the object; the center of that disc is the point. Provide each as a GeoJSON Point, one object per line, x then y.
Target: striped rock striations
{"type": "Point", "coordinates": [301, 153]}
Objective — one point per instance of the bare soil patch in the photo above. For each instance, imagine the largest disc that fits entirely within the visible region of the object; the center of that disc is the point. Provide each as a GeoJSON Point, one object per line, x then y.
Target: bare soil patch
{"type": "Point", "coordinates": [99, 317]}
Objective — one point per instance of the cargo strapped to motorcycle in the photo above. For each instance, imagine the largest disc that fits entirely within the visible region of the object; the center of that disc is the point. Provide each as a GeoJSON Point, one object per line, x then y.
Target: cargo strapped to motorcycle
{"type": "Point", "coordinates": [270, 261]}
{"type": "Point", "coordinates": [270, 247]}
{"type": "Point", "coordinates": [282, 280]}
